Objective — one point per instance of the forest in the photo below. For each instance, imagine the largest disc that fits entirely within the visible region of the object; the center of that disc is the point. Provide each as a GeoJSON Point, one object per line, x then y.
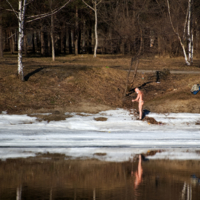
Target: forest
{"type": "Point", "coordinates": [71, 54]}
{"type": "Point", "coordinates": [135, 27]}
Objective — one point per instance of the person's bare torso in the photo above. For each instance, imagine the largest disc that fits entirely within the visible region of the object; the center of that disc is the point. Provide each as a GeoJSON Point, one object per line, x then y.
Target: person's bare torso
{"type": "Point", "coordinates": [140, 96]}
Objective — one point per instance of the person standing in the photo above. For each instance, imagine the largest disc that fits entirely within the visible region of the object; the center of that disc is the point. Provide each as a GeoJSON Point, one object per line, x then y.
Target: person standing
{"type": "Point", "coordinates": [140, 101]}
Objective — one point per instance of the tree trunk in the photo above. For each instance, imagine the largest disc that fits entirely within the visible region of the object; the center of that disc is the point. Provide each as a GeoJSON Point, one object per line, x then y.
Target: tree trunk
{"type": "Point", "coordinates": [16, 40]}
{"type": "Point", "coordinates": [89, 40]}
{"type": "Point", "coordinates": [180, 40]}
{"type": "Point", "coordinates": [42, 42]}
{"type": "Point", "coordinates": [12, 44]}
{"type": "Point", "coordinates": [1, 35]}
{"type": "Point", "coordinates": [49, 43]}
{"type": "Point", "coordinates": [189, 30]}
{"type": "Point", "coordinates": [76, 33]}
{"type": "Point", "coordinates": [111, 43]}
{"type": "Point", "coordinates": [6, 40]}
{"type": "Point", "coordinates": [79, 41]}
{"type": "Point", "coordinates": [95, 30]}
{"type": "Point", "coordinates": [63, 40]}
{"type": "Point", "coordinates": [52, 38]}
{"type": "Point", "coordinates": [21, 16]}
{"type": "Point", "coordinates": [84, 36]}
{"type": "Point", "coordinates": [94, 8]}
{"type": "Point", "coordinates": [122, 47]}
{"type": "Point", "coordinates": [33, 42]}
{"type": "Point", "coordinates": [197, 36]}
{"type": "Point", "coordinates": [25, 45]}
{"type": "Point", "coordinates": [70, 41]}
{"type": "Point", "coordinates": [129, 47]}
{"type": "Point", "coordinates": [141, 42]}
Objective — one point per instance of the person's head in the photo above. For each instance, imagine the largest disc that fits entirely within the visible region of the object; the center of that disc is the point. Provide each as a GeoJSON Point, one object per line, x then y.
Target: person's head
{"type": "Point", "coordinates": [136, 90]}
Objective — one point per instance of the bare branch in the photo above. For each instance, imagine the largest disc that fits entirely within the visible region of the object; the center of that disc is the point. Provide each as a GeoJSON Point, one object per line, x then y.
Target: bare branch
{"type": "Point", "coordinates": [16, 13]}
{"type": "Point", "coordinates": [88, 5]}
{"type": "Point", "coordinates": [185, 24]}
{"type": "Point", "coordinates": [99, 2]}
{"type": "Point", "coordinates": [182, 45]}
{"type": "Point", "coordinates": [171, 18]}
{"type": "Point", "coordinates": [12, 35]}
{"type": "Point", "coordinates": [37, 17]}
{"type": "Point", "coordinates": [29, 2]}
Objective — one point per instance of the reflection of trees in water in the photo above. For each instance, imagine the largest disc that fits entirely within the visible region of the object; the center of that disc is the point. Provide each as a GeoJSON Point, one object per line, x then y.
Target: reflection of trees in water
{"type": "Point", "coordinates": [186, 192]}
{"type": "Point", "coordinates": [19, 193]}
{"type": "Point", "coordinates": [96, 180]}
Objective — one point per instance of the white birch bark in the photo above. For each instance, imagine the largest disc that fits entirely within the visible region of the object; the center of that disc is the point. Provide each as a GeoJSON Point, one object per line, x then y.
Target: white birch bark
{"type": "Point", "coordinates": [21, 17]}
{"type": "Point", "coordinates": [176, 32]}
{"type": "Point", "coordinates": [52, 39]}
{"type": "Point", "coordinates": [189, 31]}
{"type": "Point", "coordinates": [192, 32]}
{"type": "Point", "coordinates": [95, 4]}
{"type": "Point", "coordinates": [52, 34]}
{"type": "Point", "coordinates": [95, 30]}
{"type": "Point", "coordinates": [192, 45]}
{"type": "Point", "coordinates": [21, 20]}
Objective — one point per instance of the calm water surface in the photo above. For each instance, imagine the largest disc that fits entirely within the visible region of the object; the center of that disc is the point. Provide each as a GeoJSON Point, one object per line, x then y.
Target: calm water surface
{"type": "Point", "coordinates": [56, 178]}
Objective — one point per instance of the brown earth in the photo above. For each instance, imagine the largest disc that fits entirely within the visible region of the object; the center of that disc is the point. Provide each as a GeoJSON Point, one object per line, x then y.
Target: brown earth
{"type": "Point", "coordinates": [84, 84]}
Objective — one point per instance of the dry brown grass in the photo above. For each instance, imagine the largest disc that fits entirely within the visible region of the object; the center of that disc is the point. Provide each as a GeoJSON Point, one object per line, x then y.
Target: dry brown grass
{"type": "Point", "coordinates": [82, 83]}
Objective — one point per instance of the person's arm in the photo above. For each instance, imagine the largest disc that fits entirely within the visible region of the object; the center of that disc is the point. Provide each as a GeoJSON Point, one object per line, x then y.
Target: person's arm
{"type": "Point", "coordinates": [138, 96]}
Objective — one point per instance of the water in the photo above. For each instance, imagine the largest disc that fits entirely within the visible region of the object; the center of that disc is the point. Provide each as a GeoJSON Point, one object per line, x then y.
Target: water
{"type": "Point", "coordinates": [54, 177]}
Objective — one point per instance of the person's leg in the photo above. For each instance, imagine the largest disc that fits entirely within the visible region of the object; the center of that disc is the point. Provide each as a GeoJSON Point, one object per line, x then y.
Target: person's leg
{"type": "Point", "coordinates": [140, 105]}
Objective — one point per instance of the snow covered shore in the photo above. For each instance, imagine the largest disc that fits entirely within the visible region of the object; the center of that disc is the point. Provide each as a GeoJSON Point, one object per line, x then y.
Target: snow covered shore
{"type": "Point", "coordinates": [118, 138]}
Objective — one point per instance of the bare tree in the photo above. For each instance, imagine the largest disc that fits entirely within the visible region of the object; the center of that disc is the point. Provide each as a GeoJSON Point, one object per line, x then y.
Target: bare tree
{"type": "Point", "coordinates": [190, 32]}
{"type": "Point", "coordinates": [52, 33]}
{"type": "Point", "coordinates": [94, 8]}
{"type": "Point", "coordinates": [76, 32]}
{"type": "Point", "coordinates": [188, 23]}
{"type": "Point", "coordinates": [21, 17]}
{"type": "Point", "coordinates": [21, 21]}
{"type": "Point", "coordinates": [1, 35]}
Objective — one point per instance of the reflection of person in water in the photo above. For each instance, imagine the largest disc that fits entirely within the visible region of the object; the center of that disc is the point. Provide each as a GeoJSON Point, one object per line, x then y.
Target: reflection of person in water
{"type": "Point", "coordinates": [138, 173]}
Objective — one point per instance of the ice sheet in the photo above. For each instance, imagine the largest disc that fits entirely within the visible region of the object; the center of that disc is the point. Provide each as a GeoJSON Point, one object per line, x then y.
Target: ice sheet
{"type": "Point", "coordinates": [120, 137]}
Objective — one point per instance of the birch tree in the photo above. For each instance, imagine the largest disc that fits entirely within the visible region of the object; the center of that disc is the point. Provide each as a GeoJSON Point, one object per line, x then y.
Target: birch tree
{"type": "Point", "coordinates": [52, 33]}
{"type": "Point", "coordinates": [94, 8]}
{"type": "Point", "coordinates": [190, 32]}
{"type": "Point", "coordinates": [21, 21]}
{"type": "Point", "coordinates": [21, 17]}
{"type": "Point", "coordinates": [1, 35]}
{"type": "Point", "coordinates": [187, 26]}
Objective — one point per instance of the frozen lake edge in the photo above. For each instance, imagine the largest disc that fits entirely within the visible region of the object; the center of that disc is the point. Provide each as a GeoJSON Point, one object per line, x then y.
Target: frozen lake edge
{"type": "Point", "coordinates": [118, 138]}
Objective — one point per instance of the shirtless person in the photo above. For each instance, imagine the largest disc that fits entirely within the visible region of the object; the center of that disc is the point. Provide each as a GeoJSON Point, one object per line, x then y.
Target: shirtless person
{"type": "Point", "coordinates": [140, 101]}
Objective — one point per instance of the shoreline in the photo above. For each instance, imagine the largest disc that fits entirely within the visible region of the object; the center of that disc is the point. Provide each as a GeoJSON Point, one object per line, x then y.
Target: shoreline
{"type": "Point", "coordinates": [114, 135]}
